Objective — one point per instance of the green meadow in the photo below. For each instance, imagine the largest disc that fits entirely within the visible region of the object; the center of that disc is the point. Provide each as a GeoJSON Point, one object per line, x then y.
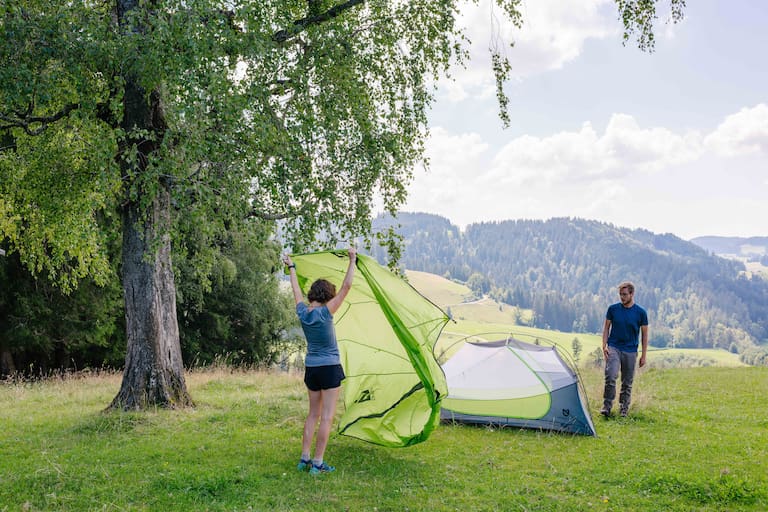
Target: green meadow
{"type": "Point", "coordinates": [696, 440]}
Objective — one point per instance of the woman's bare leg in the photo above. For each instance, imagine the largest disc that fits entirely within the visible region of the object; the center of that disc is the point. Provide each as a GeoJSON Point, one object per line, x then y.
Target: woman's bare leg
{"type": "Point", "coordinates": [328, 400]}
{"type": "Point", "coordinates": [315, 410]}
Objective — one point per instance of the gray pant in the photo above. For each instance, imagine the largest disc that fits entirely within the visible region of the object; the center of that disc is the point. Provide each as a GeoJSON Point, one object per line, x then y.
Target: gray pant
{"type": "Point", "coordinates": [626, 361]}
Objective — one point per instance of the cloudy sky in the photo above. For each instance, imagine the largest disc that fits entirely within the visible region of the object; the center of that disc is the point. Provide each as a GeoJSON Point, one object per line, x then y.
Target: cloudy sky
{"type": "Point", "coordinates": [674, 141]}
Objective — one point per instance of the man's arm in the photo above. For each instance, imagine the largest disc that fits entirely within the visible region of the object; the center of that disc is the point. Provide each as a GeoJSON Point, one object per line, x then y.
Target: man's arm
{"type": "Point", "coordinates": [644, 342]}
{"type": "Point", "coordinates": [606, 331]}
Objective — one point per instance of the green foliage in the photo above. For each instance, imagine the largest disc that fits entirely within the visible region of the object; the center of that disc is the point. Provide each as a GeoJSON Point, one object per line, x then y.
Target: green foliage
{"type": "Point", "coordinates": [479, 284]}
{"type": "Point", "coordinates": [757, 356]}
{"type": "Point", "coordinates": [423, 235]}
{"type": "Point", "coordinates": [258, 108]}
{"type": "Point", "coordinates": [680, 360]}
{"type": "Point", "coordinates": [239, 313]}
{"type": "Point", "coordinates": [45, 330]}
{"type": "Point", "coordinates": [234, 311]}
{"type": "Point", "coordinates": [576, 348]}
{"type": "Point", "coordinates": [597, 357]}
{"type": "Point", "coordinates": [57, 161]}
{"type": "Point", "coordinates": [701, 431]}
{"type": "Point", "coordinates": [638, 17]}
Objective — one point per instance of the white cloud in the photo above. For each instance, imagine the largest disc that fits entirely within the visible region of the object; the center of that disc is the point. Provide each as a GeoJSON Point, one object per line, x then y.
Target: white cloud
{"type": "Point", "coordinates": [452, 163]}
{"type": "Point", "coordinates": [527, 160]}
{"type": "Point", "coordinates": [585, 156]}
{"type": "Point", "coordinates": [612, 176]}
{"type": "Point", "coordinates": [744, 132]}
{"type": "Point", "coordinates": [553, 33]}
{"type": "Point", "coordinates": [649, 149]}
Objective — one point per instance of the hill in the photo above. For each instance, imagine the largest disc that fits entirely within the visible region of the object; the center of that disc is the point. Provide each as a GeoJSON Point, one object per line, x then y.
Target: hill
{"type": "Point", "coordinates": [564, 272]}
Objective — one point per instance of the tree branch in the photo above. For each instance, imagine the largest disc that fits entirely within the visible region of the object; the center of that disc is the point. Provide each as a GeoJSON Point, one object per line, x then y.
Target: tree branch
{"type": "Point", "coordinates": [299, 26]}
{"type": "Point", "coordinates": [268, 216]}
{"type": "Point", "coordinates": [25, 121]}
{"type": "Point", "coordinates": [291, 212]}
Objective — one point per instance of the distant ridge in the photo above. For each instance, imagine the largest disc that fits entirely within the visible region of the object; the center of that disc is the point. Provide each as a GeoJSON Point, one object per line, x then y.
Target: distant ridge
{"type": "Point", "coordinates": [745, 247]}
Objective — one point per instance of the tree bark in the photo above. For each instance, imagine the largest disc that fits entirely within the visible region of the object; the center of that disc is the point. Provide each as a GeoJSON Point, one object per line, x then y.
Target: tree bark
{"type": "Point", "coordinates": [154, 371]}
{"type": "Point", "coordinates": [7, 366]}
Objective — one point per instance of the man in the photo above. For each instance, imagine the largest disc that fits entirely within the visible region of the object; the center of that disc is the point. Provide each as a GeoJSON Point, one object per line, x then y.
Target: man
{"type": "Point", "coordinates": [624, 321]}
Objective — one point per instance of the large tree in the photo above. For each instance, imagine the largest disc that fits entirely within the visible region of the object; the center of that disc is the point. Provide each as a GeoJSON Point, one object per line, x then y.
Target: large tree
{"type": "Point", "coordinates": [217, 111]}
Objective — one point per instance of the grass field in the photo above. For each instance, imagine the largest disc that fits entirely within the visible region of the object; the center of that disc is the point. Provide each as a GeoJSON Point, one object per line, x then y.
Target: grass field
{"type": "Point", "coordinates": [696, 440]}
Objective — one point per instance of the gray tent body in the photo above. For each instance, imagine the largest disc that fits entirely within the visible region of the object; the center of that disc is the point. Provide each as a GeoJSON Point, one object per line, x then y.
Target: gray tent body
{"type": "Point", "coordinates": [515, 384]}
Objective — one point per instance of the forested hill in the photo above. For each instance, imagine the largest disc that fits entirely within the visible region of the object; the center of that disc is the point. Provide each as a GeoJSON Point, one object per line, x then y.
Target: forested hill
{"type": "Point", "coordinates": [567, 270]}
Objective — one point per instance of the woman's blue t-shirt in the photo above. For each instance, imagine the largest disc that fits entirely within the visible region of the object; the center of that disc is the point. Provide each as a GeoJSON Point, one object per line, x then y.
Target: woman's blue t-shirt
{"type": "Point", "coordinates": [317, 323]}
{"type": "Point", "coordinates": [625, 326]}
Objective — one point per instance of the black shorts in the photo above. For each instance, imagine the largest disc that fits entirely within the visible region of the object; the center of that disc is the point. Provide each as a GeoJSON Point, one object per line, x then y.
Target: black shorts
{"type": "Point", "coordinates": [323, 377]}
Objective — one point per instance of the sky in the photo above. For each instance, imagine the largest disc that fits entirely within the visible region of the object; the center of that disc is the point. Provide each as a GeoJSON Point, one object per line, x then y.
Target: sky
{"type": "Point", "coordinates": [673, 141]}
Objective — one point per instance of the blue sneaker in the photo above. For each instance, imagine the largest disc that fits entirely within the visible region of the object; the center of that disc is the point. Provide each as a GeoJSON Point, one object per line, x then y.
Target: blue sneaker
{"type": "Point", "coordinates": [304, 465]}
{"type": "Point", "coordinates": [322, 468]}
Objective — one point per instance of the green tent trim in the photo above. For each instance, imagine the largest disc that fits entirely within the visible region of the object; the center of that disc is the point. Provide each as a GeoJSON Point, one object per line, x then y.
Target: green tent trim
{"type": "Point", "coordinates": [386, 332]}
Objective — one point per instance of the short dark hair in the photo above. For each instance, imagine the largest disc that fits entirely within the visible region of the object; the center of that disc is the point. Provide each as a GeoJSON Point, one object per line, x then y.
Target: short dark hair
{"type": "Point", "coordinates": [628, 285]}
{"type": "Point", "coordinates": [321, 291]}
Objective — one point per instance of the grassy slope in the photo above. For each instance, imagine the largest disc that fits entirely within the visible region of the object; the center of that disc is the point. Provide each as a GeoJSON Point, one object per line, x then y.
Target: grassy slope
{"type": "Point", "coordinates": [696, 441]}
{"type": "Point", "coordinates": [488, 320]}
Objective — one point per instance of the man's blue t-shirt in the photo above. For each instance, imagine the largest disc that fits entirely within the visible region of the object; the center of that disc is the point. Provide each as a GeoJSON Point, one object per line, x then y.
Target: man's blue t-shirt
{"type": "Point", "coordinates": [317, 323]}
{"type": "Point", "coordinates": [625, 326]}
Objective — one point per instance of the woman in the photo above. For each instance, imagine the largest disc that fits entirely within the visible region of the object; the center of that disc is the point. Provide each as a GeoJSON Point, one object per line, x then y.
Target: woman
{"type": "Point", "coordinates": [323, 371]}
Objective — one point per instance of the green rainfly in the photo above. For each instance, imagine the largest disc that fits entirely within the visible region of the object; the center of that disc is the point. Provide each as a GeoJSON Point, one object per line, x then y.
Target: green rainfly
{"type": "Point", "coordinates": [386, 332]}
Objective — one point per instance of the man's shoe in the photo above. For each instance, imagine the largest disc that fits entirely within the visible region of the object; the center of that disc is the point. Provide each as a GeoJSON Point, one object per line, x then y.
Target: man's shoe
{"type": "Point", "coordinates": [304, 465]}
{"type": "Point", "coordinates": [605, 412]}
{"type": "Point", "coordinates": [322, 468]}
{"type": "Point", "coordinates": [624, 413]}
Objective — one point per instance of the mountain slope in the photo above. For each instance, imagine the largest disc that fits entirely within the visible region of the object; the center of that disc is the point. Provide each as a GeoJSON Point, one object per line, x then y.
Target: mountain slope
{"type": "Point", "coordinates": [567, 270]}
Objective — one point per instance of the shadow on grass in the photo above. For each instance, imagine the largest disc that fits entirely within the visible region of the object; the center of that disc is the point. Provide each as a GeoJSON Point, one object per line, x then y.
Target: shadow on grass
{"type": "Point", "coordinates": [112, 422]}
{"type": "Point", "coordinates": [639, 418]}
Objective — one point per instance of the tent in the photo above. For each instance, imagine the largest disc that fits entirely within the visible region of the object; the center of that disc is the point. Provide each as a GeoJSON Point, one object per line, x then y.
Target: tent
{"type": "Point", "coordinates": [517, 384]}
{"type": "Point", "coordinates": [386, 332]}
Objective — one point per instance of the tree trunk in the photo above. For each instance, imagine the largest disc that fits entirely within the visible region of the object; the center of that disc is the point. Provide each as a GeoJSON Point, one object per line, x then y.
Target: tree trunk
{"type": "Point", "coordinates": [154, 372]}
{"type": "Point", "coordinates": [7, 366]}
